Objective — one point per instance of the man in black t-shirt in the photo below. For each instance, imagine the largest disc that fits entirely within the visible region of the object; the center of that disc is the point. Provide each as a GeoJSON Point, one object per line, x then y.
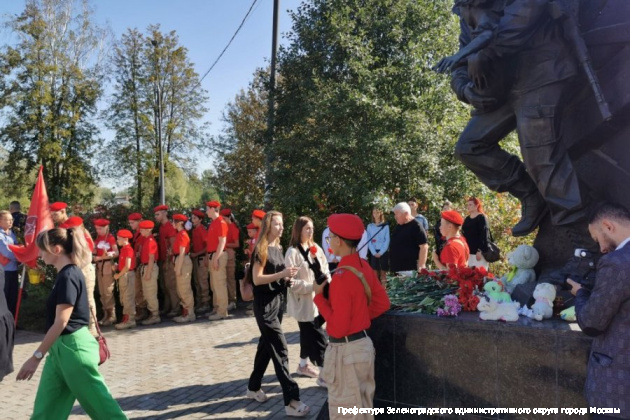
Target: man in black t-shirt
{"type": "Point", "coordinates": [409, 247]}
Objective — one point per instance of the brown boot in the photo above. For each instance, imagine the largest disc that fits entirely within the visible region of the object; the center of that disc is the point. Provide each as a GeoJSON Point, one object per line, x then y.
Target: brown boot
{"type": "Point", "coordinates": [108, 319]}
{"type": "Point", "coordinates": [126, 323]}
{"type": "Point", "coordinates": [141, 313]}
{"type": "Point", "coordinates": [186, 316]}
{"type": "Point", "coordinates": [153, 319]}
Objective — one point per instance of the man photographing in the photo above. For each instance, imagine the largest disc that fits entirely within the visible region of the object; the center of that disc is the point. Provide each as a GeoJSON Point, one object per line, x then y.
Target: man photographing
{"type": "Point", "coordinates": [355, 297]}
{"type": "Point", "coordinates": [604, 313]}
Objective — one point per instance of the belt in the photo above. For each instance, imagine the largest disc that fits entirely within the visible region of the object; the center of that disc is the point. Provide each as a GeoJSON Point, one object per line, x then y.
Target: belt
{"type": "Point", "coordinates": [348, 338]}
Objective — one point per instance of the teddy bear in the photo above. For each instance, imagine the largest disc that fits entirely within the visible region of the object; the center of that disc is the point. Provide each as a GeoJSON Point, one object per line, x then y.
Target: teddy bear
{"type": "Point", "coordinates": [522, 260]}
{"type": "Point", "coordinates": [545, 294]}
{"type": "Point", "coordinates": [491, 310]}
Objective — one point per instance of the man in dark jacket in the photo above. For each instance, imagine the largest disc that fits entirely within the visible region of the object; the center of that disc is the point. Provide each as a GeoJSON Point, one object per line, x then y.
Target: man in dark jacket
{"type": "Point", "coordinates": [604, 313]}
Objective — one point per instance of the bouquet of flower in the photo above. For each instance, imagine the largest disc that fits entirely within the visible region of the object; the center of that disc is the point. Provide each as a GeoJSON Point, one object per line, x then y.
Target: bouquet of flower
{"type": "Point", "coordinates": [445, 293]}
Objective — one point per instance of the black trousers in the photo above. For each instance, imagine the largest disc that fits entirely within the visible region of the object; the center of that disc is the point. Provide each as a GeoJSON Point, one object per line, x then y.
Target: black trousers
{"type": "Point", "coordinates": [272, 346]}
{"type": "Point", "coordinates": [11, 288]}
{"type": "Point", "coordinates": [313, 342]}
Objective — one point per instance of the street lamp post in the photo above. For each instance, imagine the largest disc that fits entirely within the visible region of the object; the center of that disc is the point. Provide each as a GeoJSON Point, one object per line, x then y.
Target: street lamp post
{"type": "Point", "coordinates": [269, 183]}
{"type": "Point", "coordinates": [158, 124]}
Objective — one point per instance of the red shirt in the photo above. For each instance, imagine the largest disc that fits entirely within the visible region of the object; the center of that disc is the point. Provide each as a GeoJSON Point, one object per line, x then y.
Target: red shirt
{"type": "Point", "coordinates": [126, 252]}
{"type": "Point", "coordinates": [167, 231]}
{"type": "Point", "coordinates": [455, 252]}
{"type": "Point", "coordinates": [149, 247]}
{"type": "Point", "coordinates": [105, 244]}
{"type": "Point", "coordinates": [181, 240]}
{"type": "Point", "coordinates": [217, 229]}
{"type": "Point", "coordinates": [346, 310]}
{"type": "Point", "coordinates": [233, 234]}
{"type": "Point", "coordinates": [199, 238]}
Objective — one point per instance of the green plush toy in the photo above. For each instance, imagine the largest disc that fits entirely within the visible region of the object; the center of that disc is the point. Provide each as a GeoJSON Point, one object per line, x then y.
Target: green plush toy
{"type": "Point", "coordinates": [568, 314]}
{"type": "Point", "coordinates": [495, 291]}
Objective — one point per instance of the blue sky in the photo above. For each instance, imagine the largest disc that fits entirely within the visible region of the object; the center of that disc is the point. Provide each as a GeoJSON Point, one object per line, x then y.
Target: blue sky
{"type": "Point", "coordinates": [204, 27]}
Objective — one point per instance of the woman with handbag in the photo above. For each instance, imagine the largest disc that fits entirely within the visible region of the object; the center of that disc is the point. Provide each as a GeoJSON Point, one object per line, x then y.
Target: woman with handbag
{"type": "Point", "coordinates": [311, 261]}
{"type": "Point", "coordinates": [71, 369]}
{"type": "Point", "coordinates": [271, 279]}
{"type": "Point", "coordinates": [476, 230]}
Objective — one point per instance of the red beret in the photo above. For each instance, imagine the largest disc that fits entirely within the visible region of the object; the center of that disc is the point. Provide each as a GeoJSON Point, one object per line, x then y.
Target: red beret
{"type": "Point", "coordinates": [101, 222]}
{"type": "Point", "coordinates": [146, 224]}
{"type": "Point", "coordinates": [226, 212]}
{"type": "Point", "coordinates": [258, 214]}
{"type": "Point", "coordinates": [199, 213]}
{"type": "Point", "coordinates": [347, 226]}
{"type": "Point", "coordinates": [124, 233]}
{"type": "Point", "coordinates": [74, 221]}
{"type": "Point", "coordinates": [162, 207]}
{"type": "Point", "coordinates": [453, 216]}
{"type": "Point", "coordinates": [58, 206]}
{"type": "Point", "coordinates": [252, 226]}
{"type": "Point", "coordinates": [180, 218]}
{"type": "Point", "coordinates": [213, 204]}
{"type": "Point", "coordinates": [135, 216]}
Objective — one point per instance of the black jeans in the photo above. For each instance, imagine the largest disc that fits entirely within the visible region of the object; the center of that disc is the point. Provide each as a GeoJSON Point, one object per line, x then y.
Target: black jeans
{"type": "Point", "coordinates": [312, 342]}
{"type": "Point", "coordinates": [272, 346]}
{"type": "Point", "coordinates": [11, 288]}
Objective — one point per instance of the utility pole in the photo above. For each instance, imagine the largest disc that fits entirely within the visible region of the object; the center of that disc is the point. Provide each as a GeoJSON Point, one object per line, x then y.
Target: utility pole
{"type": "Point", "coordinates": [158, 122]}
{"type": "Point", "coordinates": [269, 184]}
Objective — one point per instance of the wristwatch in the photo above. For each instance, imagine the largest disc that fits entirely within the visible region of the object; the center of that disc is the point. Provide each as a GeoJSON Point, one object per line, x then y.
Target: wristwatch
{"type": "Point", "coordinates": [38, 355]}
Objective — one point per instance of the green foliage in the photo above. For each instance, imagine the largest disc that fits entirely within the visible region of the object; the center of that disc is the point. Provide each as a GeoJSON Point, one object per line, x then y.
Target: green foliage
{"type": "Point", "coordinates": [50, 83]}
{"type": "Point", "coordinates": [156, 93]}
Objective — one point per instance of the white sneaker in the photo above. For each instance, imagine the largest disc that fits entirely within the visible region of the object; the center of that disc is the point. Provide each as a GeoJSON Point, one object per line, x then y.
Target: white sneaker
{"type": "Point", "coordinates": [231, 306]}
{"type": "Point", "coordinates": [259, 395]}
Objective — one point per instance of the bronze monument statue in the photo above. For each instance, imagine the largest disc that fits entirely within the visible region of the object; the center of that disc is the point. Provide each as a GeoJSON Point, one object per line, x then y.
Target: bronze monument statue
{"type": "Point", "coordinates": [558, 72]}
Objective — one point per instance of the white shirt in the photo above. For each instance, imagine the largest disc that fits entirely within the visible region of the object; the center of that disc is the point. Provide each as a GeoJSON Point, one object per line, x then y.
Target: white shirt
{"type": "Point", "coordinates": [622, 244]}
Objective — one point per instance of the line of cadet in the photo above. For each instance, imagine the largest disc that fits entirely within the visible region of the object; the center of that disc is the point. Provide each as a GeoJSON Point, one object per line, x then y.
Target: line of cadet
{"type": "Point", "coordinates": [172, 261]}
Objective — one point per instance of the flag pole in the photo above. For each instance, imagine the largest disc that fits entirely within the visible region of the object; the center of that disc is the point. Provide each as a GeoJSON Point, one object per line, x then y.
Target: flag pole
{"type": "Point", "coordinates": [19, 300]}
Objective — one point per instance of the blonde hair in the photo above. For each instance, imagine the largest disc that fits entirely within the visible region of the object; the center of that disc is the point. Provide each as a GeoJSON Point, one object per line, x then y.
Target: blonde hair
{"type": "Point", "coordinates": [71, 240]}
{"type": "Point", "coordinates": [263, 244]}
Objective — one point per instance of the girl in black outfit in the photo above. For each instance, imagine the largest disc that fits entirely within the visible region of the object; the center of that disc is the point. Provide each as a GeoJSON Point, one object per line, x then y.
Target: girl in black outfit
{"type": "Point", "coordinates": [476, 230]}
{"type": "Point", "coordinates": [271, 280]}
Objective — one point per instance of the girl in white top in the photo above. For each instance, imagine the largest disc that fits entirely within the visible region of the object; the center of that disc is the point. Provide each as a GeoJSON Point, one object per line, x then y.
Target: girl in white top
{"type": "Point", "coordinates": [379, 244]}
{"type": "Point", "coordinates": [310, 260]}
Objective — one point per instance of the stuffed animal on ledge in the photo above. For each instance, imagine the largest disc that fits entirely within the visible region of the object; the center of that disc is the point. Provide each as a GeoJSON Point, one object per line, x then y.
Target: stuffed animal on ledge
{"type": "Point", "coordinates": [495, 291]}
{"type": "Point", "coordinates": [545, 294]}
{"type": "Point", "coordinates": [491, 310]}
{"type": "Point", "coordinates": [522, 260]}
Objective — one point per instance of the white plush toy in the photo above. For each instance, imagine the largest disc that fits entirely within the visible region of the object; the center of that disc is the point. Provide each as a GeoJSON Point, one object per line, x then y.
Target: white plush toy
{"type": "Point", "coordinates": [522, 260]}
{"type": "Point", "coordinates": [545, 294]}
{"type": "Point", "coordinates": [491, 310]}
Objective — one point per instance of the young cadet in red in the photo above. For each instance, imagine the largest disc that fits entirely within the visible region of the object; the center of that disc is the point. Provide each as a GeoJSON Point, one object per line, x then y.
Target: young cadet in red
{"type": "Point", "coordinates": [136, 243]}
{"type": "Point", "coordinates": [58, 212]}
{"type": "Point", "coordinates": [104, 253]}
{"type": "Point", "coordinates": [232, 244]}
{"type": "Point", "coordinates": [183, 270]}
{"type": "Point", "coordinates": [257, 217]}
{"type": "Point", "coordinates": [356, 296]}
{"type": "Point", "coordinates": [167, 269]}
{"type": "Point", "coordinates": [198, 254]}
{"type": "Point", "coordinates": [126, 277]}
{"type": "Point", "coordinates": [87, 269]}
{"type": "Point", "coordinates": [216, 260]}
{"type": "Point", "coordinates": [149, 272]}
{"type": "Point", "coordinates": [455, 251]}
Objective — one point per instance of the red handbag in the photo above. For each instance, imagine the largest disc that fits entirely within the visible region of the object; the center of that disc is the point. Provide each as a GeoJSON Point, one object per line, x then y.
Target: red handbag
{"type": "Point", "coordinates": [103, 350]}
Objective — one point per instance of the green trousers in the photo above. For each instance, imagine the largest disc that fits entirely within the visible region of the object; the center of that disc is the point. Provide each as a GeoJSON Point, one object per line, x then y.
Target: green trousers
{"type": "Point", "coordinates": [71, 373]}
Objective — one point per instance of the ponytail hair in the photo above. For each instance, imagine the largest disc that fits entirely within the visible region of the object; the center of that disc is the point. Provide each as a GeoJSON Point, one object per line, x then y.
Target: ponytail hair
{"type": "Point", "coordinates": [72, 241]}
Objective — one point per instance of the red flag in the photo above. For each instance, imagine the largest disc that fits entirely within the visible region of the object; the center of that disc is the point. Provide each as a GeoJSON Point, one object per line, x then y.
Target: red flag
{"type": "Point", "coordinates": [37, 220]}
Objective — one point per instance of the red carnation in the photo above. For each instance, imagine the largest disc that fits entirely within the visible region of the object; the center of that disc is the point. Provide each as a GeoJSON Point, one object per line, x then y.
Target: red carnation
{"type": "Point", "coordinates": [313, 250]}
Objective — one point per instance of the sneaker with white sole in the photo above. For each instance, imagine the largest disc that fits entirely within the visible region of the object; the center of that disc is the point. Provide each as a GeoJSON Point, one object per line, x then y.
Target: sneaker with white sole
{"type": "Point", "coordinates": [231, 306]}
{"type": "Point", "coordinates": [259, 395]}
{"type": "Point", "coordinates": [308, 371]}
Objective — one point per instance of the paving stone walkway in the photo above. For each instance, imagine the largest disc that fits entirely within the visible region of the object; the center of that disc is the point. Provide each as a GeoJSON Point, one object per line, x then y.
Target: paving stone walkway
{"type": "Point", "coordinates": [171, 371]}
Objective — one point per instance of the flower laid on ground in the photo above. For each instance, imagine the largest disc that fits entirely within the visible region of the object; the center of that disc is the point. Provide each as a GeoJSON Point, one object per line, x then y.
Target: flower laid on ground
{"type": "Point", "coordinates": [445, 293]}
{"type": "Point", "coordinates": [451, 307]}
